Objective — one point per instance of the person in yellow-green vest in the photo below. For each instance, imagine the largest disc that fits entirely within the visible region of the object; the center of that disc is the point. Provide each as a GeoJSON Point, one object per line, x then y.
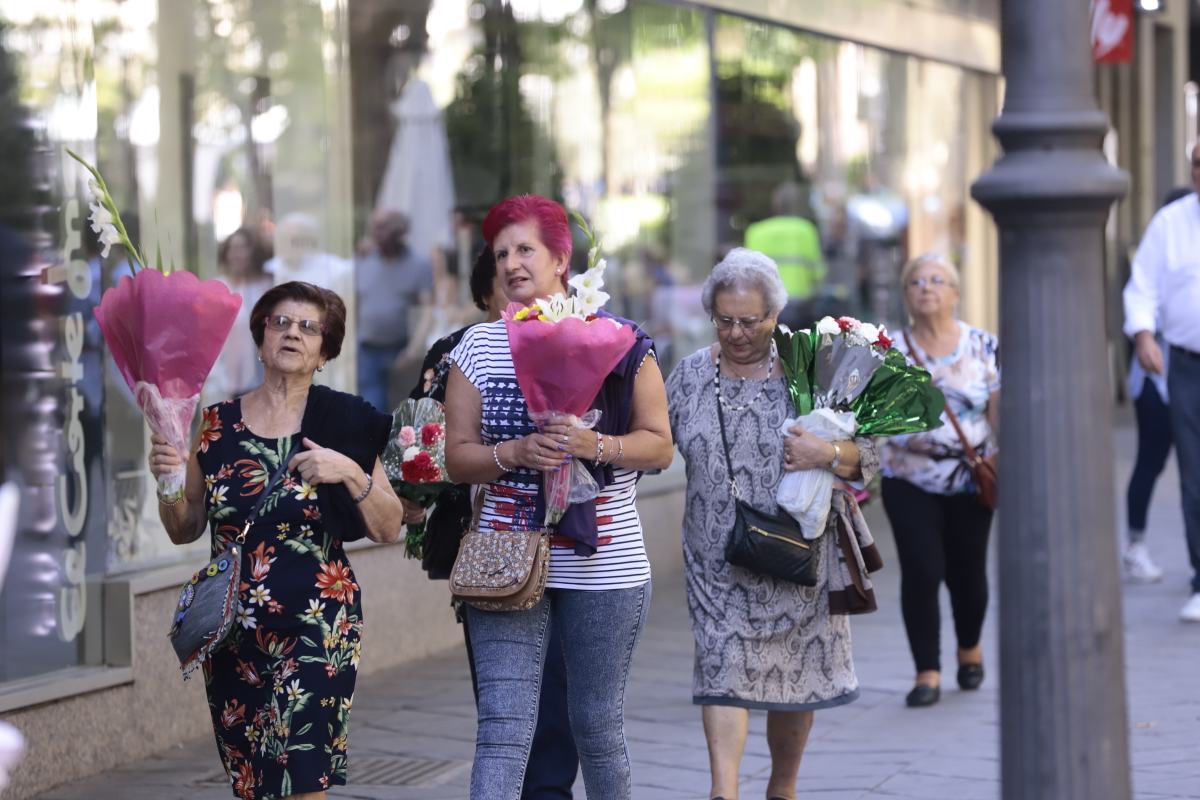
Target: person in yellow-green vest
{"type": "Point", "coordinates": [792, 242]}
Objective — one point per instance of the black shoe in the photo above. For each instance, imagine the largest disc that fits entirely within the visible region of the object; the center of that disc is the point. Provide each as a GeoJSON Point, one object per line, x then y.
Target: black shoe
{"type": "Point", "coordinates": [923, 695]}
{"type": "Point", "coordinates": [970, 676]}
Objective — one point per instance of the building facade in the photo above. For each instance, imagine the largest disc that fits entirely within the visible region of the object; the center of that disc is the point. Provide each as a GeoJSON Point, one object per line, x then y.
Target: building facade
{"type": "Point", "coordinates": [672, 125]}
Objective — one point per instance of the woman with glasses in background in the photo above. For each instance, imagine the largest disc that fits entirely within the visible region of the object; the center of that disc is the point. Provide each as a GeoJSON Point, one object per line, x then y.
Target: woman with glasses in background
{"type": "Point", "coordinates": [281, 684]}
{"type": "Point", "coordinates": [940, 526]}
{"type": "Point", "coordinates": [761, 643]}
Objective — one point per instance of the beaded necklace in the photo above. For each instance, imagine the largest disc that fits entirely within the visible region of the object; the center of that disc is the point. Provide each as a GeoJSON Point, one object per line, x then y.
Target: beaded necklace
{"type": "Point", "coordinates": [717, 382]}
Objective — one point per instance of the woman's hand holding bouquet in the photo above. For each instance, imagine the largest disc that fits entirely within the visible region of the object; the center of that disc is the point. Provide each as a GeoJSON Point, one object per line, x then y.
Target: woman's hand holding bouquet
{"type": "Point", "coordinates": [562, 350]}
{"type": "Point", "coordinates": [846, 380]}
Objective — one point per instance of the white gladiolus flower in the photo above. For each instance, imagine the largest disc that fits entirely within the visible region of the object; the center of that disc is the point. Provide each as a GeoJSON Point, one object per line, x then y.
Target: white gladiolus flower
{"type": "Point", "coordinates": [97, 192]}
{"type": "Point", "coordinates": [102, 223]}
{"type": "Point", "coordinates": [589, 281]}
{"type": "Point", "coordinates": [108, 237]}
{"type": "Point", "coordinates": [100, 217]}
{"type": "Point", "coordinates": [828, 326]}
{"type": "Point", "coordinates": [595, 251]}
{"type": "Point", "coordinates": [591, 300]}
{"type": "Point", "coordinates": [601, 265]}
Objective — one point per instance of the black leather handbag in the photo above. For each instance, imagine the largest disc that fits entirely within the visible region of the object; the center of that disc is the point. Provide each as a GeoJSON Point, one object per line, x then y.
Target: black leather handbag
{"type": "Point", "coordinates": [208, 602]}
{"type": "Point", "coordinates": [771, 544]}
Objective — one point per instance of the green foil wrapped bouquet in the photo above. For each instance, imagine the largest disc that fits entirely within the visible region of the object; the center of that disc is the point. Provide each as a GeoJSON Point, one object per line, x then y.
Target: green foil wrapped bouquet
{"type": "Point", "coordinates": [845, 379]}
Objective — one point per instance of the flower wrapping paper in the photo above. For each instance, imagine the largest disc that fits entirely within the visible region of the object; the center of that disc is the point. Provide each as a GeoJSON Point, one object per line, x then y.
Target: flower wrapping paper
{"type": "Point", "coordinates": [164, 333]}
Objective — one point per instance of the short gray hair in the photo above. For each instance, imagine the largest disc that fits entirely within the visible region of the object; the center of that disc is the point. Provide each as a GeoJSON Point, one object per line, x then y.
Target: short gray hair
{"type": "Point", "coordinates": [746, 269]}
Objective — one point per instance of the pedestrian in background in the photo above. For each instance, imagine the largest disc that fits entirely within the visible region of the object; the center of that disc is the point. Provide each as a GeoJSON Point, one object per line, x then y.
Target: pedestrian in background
{"type": "Point", "coordinates": [595, 605]}
{"type": "Point", "coordinates": [553, 762]}
{"type": "Point", "coordinates": [761, 643]}
{"type": "Point", "coordinates": [393, 284]}
{"type": "Point", "coordinates": [794, 244]}
{"type": "Point", "coordinates": [281, 684]}
{"type": "Point", "coordinates": [240, 260]}
{"type": "Point", "coordinates": [1152, 414]}
{"type": "Point", "coordinates": [931, 500]}
{"type": "Point", "coordinates": [1163, 298]}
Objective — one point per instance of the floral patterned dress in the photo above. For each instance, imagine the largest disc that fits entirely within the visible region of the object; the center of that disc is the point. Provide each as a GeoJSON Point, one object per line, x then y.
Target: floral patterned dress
{"type": "Point", "coordinates": [281, 686]}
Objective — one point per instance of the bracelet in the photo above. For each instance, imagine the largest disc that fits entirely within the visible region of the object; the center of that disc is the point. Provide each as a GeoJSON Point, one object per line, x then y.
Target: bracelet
{"type": "Point", "coordinates": [366, 491]}
{"type": "Point", "coordinates": [837, 456]}
{"type": "Point", "coordinates": [496, 458]}
{"type": "Point", "coordinates": [620, 451]}
{"type": "Point", "coordinates": [599, 448]}
{"type": "Point", "coordinates": [164, 501]}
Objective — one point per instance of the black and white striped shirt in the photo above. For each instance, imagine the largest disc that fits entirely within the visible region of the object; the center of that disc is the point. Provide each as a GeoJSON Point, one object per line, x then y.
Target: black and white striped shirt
{"type": "Point", "coordinates": [620, 560]}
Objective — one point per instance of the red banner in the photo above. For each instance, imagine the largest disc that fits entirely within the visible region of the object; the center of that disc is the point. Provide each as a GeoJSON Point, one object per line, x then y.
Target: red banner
{"type": "Point", "coordinates": [1112, 31]}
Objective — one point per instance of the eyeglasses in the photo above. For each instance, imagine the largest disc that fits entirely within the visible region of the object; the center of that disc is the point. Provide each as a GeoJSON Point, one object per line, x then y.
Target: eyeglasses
{"type": "Point", "coordinates": [726, 324]}
{"type": "Point", "coordinates": [921, 283]}
{"type": "Point", "coordinates": [282, 322]}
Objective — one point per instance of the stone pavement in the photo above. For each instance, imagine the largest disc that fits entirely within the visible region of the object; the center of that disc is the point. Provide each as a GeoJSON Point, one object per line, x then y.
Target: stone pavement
{"type": "Point", "coordinates": [414, 727]}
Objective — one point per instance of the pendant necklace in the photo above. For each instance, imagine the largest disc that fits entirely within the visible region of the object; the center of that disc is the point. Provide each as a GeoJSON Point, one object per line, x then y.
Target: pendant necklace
{"type": "Point", "coordinates": [717, 383]}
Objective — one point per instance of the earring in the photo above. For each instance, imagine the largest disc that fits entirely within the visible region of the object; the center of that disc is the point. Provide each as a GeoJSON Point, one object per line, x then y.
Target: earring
{"type": "Point", "coordinates": [259, 357]}
{"type": "Point", "coordinates": [321, 368]}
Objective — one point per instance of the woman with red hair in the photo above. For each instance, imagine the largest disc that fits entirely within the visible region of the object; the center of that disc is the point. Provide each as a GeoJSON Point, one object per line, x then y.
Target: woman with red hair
{"type": "Point", "coordinates": [598, 589]}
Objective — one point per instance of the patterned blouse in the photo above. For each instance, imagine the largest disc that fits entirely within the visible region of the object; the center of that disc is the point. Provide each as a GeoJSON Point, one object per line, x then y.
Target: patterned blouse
{"type": "Point", "coordinates": [933, 460]}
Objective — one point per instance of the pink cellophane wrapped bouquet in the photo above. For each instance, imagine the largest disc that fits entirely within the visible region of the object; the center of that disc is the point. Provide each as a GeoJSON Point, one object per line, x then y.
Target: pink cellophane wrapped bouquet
{"type": "Point", "coordinates": [562, 351]}
{"type": "Point", "coordinates": [164, 330]}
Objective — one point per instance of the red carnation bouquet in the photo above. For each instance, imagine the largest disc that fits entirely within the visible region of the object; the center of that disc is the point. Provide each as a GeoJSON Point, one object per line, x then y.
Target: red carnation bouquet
{"type": "Point", "coordinates": [415, 460]}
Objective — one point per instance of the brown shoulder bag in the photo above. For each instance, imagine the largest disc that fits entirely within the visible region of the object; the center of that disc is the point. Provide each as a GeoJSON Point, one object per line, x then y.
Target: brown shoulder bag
{"type": "Point", "coordinates": [500, 570]}
{"type": "Point", "coordinates": [983, 470]}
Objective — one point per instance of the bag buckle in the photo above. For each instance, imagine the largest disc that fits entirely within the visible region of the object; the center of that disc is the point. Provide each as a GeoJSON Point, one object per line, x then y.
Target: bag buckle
{"type": "Point", "coordinates": [241, 537]}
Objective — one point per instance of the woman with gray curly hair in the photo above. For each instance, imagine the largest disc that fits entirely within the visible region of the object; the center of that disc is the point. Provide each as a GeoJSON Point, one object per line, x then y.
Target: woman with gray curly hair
{"type": "Point", "coordinates": [761, 642]}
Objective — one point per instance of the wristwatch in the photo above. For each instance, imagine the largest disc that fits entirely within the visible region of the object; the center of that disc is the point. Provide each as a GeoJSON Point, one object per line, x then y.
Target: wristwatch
{"type": "Point", "coordinates": [837, 456]}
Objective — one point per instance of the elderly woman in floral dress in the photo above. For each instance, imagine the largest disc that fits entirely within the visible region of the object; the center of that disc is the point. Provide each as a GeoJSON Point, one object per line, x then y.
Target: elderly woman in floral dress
{"type": "Point", "coordinates": [281, 685]}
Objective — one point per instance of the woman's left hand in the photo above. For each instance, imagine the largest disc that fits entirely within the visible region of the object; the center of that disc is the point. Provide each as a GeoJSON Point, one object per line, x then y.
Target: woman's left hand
{"type": "Point", "coordinates": [317, 464]}
{"type": "Point", "coordinates": [576, 441]}
{"type": "Point", "coordinates": [804, 450]}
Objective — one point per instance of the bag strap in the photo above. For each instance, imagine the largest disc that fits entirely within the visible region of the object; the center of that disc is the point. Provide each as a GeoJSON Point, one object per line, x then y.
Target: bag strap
{"type": "Point", "coordinates": [724, 441]}
{"type": "Point", "coordinates": [268, 489]}
{"type": "Point", "coordinates": [477, 506]}
{"type": "Point", "coordinates": [972, 456]}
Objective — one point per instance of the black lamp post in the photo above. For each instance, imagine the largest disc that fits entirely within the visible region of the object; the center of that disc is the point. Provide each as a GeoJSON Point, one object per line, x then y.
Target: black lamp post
{"type": "Point", "coordinates": [1062, 691]}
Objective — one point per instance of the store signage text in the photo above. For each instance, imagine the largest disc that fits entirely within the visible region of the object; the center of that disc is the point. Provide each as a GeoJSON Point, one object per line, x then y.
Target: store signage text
{"type": "Point", "coordinates": [71, 489]}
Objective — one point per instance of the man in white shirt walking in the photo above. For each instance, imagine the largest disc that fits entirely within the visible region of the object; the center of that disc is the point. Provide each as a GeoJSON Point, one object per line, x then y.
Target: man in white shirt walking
{"type": "Point", "coordinates": [1163, 296]}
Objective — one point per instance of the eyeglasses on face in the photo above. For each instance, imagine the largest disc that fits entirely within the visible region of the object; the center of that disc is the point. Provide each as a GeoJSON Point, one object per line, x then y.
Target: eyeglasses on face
{"type": "Point", "coordinates": [747, 324]}
{"type": "Point", "coordinates": [282, 322]}
{"type": "Point", "coordinates": [921, 283]}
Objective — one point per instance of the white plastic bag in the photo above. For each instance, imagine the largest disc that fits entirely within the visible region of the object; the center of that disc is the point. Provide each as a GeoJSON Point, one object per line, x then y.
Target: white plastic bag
{"type": "Point", "coordinates": [806, 494]}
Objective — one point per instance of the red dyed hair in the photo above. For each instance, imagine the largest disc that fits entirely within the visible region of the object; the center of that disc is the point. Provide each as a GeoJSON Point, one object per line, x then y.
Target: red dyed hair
{"type": "Point", "coordinates": [549, 216]}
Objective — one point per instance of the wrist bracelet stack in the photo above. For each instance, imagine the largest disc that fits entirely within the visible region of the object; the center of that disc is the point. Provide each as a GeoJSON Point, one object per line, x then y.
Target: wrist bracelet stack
{"type": "Point", "coordinates": [599, 459]}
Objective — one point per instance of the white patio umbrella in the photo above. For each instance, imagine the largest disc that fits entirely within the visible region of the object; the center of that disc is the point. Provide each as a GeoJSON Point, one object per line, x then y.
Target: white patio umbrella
{"type": "Point", "coordinates": [418, 181]}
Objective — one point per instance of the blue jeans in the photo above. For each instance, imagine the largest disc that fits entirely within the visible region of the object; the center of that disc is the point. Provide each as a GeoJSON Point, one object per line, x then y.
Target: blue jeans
{"type": "Point", "coordinates": [598, 631]}
{"type": "Point", "coordinates": [553, 762]}
{"type": "Point", "coordinates": [1153, 446]}
{"type": "Point", "coordinates": [375, 374]}
{"type": "Point", "coordinates": [1183, 385]}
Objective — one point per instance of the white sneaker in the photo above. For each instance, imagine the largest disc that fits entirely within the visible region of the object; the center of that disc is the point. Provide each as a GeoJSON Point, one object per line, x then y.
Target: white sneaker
{"type": "Point", "coordinates": [1191, 609]}
{"type": "Point", "coordinates": [1140, 567]}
